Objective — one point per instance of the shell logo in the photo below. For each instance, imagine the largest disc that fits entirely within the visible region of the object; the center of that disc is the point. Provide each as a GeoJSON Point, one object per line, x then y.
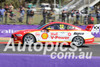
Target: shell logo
{"type": "Point", "coordinates": [44, 36]}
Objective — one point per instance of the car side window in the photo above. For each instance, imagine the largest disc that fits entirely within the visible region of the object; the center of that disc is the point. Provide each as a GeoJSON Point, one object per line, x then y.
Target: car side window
{"type": "Point", "coordinates": [53, 27]}
{"type": "Point", "coordinates": [59, 27]}
{"type": "Point", "coordinates": [68, 27]}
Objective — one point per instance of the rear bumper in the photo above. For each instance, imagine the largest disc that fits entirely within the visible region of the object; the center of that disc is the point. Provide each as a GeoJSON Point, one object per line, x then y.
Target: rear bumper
{"type": "Point", "coordinates": [90, 40]}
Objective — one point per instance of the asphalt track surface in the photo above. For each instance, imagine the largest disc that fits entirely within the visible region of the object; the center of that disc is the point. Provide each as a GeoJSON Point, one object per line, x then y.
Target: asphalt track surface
{"type": "Point", "coordinates": [95, 49]}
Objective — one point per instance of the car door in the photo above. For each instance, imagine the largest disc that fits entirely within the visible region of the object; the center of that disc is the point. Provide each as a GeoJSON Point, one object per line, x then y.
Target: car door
{"type": "Point", "coordinates": [58, 34]}
{"type": "Point", "coordinates": [55, 33]}
{"type": "Point", "coordinates": [61, 33]}
{"type": "Point", "coordinates": [47, 32]}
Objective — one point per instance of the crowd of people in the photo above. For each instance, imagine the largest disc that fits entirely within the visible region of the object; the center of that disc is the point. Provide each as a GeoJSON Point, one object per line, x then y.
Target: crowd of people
{"type": "Point", "coordinates": [73, 16]}
{"type": "Point", "coordinates": [8, 11]}
{"type": "Point", "coordinates": [47, 16]}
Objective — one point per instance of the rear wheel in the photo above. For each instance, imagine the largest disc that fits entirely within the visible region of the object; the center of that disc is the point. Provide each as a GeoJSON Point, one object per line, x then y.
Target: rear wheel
{"type": "Point", "coordinates": [79, 40]}
{"type": "Point", "coordinates": [28, 39]}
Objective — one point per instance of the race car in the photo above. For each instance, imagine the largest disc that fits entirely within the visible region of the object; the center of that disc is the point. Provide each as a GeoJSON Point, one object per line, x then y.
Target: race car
{"type": "Point", "coordinates": [54, 32]}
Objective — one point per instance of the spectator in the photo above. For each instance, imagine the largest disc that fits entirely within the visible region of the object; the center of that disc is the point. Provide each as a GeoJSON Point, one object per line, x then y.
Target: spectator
{"type": "Point", "coordinates": [77, 16]}
{"type": "Point", "coordinates": [22, 12]}
{"type": "Point", "coordinates": [90, 19]}
{"type": "Point", "coordinates": [2, 11]}
{"type": "Point", "coordinates": [11, 7]}
{"type": "Point", "coordinates": [44, 16]}
{"type": "Point", "coordinates": [50, 16]}
{"type": "Point", "coordinates": [6, 7]}
{"type": "Point", "coordinates": [98, 17]}
{"type": "Point", "coordinates": [86, 20]}
{"type": "Point", "coordinates": [68, 17]}
{"type": "Point", "coordinates": [64, 14]}
{"type": "Point", "coordinates": [30, 15]}
{"type": "Point", "coordinates": [20, 8]}
{"type": "Point", "coordinates": [12, 16]}
{"type": "Point", "coordinates": [72, 15]}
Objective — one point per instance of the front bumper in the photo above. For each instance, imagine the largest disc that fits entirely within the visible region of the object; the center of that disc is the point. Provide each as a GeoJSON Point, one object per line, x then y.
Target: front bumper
{"type": "Point", "coordinates": [16, 39]}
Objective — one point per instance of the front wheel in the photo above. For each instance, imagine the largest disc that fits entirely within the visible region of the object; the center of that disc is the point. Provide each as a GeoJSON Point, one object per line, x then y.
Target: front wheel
{"type": "Point", "coordinates": [79, 41]}
{"type": "Point", "coordinates": [28, 39]}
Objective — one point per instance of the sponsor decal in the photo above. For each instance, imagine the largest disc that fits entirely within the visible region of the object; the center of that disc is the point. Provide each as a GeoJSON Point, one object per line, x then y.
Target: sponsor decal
{"type": "Point", "coordinates": [37, 34]}
{"type": "Point", "coordinates": [56, 36]}
{"type": "Point", "coordinates": [76, 33]}
{"type": "Point", "coordinates": [9, 31]}
{"type": "Point", "coordinates": [54, 33]}
{"type": "Point", "coordinates": [69, 34]}
{"type": "Point", "coordinates": [44, 36]}
{"type": "Point", "coordinates": [59, 37]}
{"type": "Point", "coordinates": [89, 40]}
{"type": "Point", "coordinates": [96, 29]}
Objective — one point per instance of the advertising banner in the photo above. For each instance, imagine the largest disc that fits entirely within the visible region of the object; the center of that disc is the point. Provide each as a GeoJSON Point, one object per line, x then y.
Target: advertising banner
{"type": "Point", "coordinates": [7, 30]}
{"type": "Point", "coordinates": [95, 31]}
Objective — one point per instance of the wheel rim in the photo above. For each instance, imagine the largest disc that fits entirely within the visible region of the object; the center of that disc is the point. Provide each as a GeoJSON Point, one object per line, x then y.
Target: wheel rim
{"type": "Point", "coordinates": [79, 41]}
{"type": "Point", "coordinates": [28, 40]}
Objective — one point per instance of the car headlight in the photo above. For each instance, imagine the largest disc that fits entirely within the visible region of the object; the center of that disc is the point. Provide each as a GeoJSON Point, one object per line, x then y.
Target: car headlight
{"type": "Point", "coordinates": [18, 35]}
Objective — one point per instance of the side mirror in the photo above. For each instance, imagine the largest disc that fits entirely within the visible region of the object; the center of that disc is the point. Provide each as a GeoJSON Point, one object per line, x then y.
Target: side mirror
{"type": "Point", "coordinates": [47, 30]}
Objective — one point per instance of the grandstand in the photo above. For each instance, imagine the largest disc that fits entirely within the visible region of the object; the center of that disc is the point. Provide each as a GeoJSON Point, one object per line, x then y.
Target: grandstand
{"type": "Point", "coordinates": [80, 4]}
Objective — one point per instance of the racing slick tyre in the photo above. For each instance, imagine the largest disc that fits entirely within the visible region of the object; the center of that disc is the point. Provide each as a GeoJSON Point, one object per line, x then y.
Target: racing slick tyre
{"type": "Point", "coordinates": [28, 39]}
{"type": "Point", "coordinates": [79, 41]}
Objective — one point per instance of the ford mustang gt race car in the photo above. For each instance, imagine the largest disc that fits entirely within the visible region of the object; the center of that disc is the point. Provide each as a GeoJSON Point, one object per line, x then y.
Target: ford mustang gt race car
{"type": "Point", "coordinates": [54, 32]}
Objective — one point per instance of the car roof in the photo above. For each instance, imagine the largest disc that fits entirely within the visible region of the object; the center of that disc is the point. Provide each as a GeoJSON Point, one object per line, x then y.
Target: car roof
{"type": "Point", "coordinates": [62, 23]}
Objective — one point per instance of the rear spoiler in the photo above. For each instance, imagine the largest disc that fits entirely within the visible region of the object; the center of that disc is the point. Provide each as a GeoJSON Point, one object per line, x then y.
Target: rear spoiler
{"type": "Point", "coordinates": [89, 27]}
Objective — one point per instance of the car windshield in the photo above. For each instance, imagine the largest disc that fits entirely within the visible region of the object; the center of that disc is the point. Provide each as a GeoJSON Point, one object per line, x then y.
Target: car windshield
{"type": "Point", "coordinates": [41, 26]}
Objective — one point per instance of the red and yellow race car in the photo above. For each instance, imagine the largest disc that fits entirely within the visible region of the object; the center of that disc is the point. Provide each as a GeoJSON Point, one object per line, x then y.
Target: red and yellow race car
{"type": "Point", "coordinates": [54, 32]}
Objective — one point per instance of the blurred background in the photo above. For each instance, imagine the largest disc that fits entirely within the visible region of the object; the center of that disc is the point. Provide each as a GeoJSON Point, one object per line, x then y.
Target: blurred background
{"type": "Point", "coordinates": [35, 12]}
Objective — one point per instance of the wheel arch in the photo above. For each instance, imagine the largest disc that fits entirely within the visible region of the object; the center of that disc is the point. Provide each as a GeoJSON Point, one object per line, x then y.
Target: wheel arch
{"type": "Point", "coordinates": [78, 36]}
{"type": "Point", "coordinates": [29, 34]}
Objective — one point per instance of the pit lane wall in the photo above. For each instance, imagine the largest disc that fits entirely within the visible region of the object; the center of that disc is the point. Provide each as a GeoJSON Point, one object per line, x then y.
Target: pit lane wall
{"type": "Point", "coordinates": [7, 30]}
{"type": "Point", "coordinates": [30, 60]}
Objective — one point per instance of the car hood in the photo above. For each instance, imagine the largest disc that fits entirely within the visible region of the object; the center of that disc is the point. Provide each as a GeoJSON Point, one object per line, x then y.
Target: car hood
{"type": "Point", "coordinates": [25, 31]}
